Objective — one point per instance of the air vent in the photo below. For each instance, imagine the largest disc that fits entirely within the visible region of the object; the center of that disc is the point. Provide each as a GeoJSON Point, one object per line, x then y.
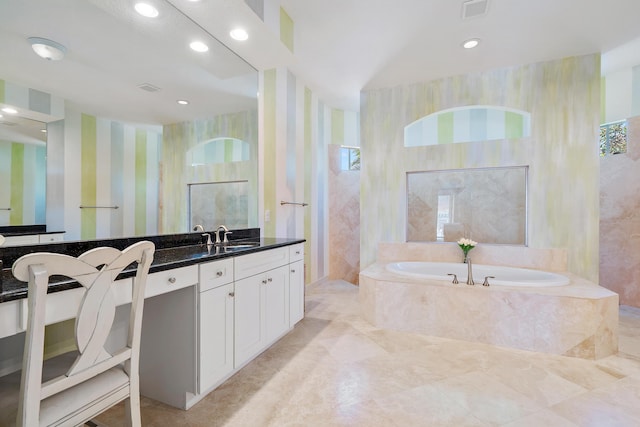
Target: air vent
{"type": "Point", "coordinates": [474, 8]}
{"type": "Point", "coordinates": [149, 87]}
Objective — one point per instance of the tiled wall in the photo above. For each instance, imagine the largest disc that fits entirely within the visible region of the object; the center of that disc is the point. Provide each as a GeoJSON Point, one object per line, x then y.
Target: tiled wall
{"type": "Point", "coordinates": [344, 220]}
{"type": "Point", "coordinates": [563, 98]}
{"type": "Point", "coordinates": [620, 219]}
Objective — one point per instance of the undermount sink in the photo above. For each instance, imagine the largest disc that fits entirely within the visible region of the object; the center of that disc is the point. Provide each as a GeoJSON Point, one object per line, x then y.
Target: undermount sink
{"type": "Point", "coordinates": [239, 245]}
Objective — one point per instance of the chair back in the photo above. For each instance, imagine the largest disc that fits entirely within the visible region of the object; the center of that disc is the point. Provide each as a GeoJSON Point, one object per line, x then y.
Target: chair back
{"type": "Point", "coordinates": [95, 270]}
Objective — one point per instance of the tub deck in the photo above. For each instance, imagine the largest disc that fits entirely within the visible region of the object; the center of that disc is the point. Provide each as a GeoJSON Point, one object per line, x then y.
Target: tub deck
{"type": "Point", "coordinates": [579, 319]}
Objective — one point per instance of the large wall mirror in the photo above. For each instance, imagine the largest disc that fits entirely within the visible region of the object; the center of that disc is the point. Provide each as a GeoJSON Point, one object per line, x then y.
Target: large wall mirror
{"type": "Point", "coordinates": [128, 70]}
{"type": "Point", "coordinates": [488, 205]}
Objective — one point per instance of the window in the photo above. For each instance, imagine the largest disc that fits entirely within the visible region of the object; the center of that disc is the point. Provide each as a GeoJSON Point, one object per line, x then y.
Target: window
{"type": "Point", "coordinates": [349, 159]}
{"type": "Point", "coordinates": [613, 138]}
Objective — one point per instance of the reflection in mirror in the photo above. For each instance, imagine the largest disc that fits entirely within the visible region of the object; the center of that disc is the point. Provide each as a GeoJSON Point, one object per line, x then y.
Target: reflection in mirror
{"type": "Point", "coordinates": [22, 171]}
{"type": "Point", "coordinates": [214, 203]}
{"type": "Point", "coordinates": [219, 150]}
{"type": "Point", "coordinates": [111, 110]}
{"type": "Point", "coordinates": [488, 205]}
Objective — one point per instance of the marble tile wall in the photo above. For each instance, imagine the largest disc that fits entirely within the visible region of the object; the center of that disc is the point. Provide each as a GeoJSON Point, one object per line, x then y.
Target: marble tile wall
{"type": "Point", "coordinates": [620, 219]}
{"type": "Point", "coordinates": [344, 220]}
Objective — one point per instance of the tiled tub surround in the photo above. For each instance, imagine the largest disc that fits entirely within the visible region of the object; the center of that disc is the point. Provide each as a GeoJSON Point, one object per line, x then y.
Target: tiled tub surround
{"type": "Point", "coordinates": [579, 319]}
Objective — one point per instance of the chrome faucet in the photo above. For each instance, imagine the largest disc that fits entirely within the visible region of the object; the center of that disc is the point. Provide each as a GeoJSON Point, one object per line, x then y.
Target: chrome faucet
{"type": "Point", "coordinates": [469, 273]}
{"type": "Point", "coordinates": [226, 231]}
{"type": "Point", "coordinates": [198, 227]}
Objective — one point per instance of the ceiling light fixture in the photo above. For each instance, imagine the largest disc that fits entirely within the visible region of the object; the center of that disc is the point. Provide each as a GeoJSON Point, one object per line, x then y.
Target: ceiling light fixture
{"type": "Point", "coordinates": [199, 46]}
{"type": "Point", "coordinates": [43, 130]}
{"type": "Point", "coordinates": [239, 34]}
{"type": "Point", "coordinates": [471, 43]}
{"type": "Point", "coordinates": [10, 110]}
{"type": "Point", "coordinates": [183, 102]}
{"type": "Point", "coordinates": [47, 49]}
{"type": "Point", "coordinates": [146, 10]}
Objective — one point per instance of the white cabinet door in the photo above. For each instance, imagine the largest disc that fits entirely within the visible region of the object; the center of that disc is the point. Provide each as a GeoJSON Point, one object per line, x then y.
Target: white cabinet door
{"type": "Point", "coordinates": [261, 312]}
{"type": "Point", "coordinates": [248, 315]}
{"type": "Point", "coordinates": [215, 335]}
{"type": "Point", "coordinates": [276, 303]}
{"type": "Point", "coordinates": [296, 292]}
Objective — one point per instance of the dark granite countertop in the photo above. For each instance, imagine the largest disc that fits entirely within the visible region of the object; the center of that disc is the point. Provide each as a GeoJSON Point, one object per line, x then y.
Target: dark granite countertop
{"type": "Point", "coordinates": [165, 258]}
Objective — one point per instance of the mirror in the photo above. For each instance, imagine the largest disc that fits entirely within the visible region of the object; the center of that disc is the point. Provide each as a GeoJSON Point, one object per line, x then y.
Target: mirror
{"type": "Point", "coordinates": [488, 205]}
{"type": "Point", "coordinates": [127, 71]}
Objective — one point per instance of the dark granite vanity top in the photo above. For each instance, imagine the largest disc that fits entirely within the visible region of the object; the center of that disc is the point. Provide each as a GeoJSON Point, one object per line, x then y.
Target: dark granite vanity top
{"type": "Point", "coordinates": [172, 251]}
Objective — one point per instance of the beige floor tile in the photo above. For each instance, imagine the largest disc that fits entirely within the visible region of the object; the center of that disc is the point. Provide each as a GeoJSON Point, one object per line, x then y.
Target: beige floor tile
{"type": "Point", "coordinates": [336, 369]}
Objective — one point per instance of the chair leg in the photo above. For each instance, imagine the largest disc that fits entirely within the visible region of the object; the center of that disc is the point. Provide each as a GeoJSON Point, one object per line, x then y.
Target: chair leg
{"type": "Point", "coordinates": [132, 411]}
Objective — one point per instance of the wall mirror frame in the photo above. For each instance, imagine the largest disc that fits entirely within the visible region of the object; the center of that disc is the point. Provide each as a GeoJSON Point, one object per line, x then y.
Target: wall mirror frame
{"type": "Point", "coordinates": [133, 73]}
{"type": "Point", "coordinates": [489, 205]}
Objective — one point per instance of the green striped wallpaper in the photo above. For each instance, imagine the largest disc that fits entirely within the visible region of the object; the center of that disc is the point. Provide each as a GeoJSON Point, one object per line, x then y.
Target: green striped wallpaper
{"type": "Point", "coordinates": [468, 124]}
{"type": "Point", "coordinates": [22, 177]}
{"type": "Point", "coordinates": [269, 148]}
{"type": "Point", "coordinates": [286, 29]}
{"type": "Point", "coordinates": [560, 151]}
{"type": "Point", "coordinates": [88, 189]}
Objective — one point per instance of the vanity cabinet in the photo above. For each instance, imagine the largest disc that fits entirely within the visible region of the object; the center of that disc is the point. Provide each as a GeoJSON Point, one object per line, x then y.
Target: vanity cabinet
{"type": "Point", "coordinates": [33, 239]}
{"type": "Point", "coordinates": [261, 302]}
{"type": "Point", "coordinates": [296, 284]}
{"type": "Point", "coordinates": [215, 323]}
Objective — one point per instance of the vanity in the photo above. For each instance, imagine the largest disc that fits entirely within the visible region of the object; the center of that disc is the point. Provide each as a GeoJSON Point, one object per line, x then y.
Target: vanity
{"type": "Point", "coordinates": [209, 310]}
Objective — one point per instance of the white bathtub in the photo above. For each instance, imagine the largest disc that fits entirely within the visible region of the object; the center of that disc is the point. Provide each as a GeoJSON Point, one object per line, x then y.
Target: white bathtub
{"type": "Point", "coordinates": [504, 276]}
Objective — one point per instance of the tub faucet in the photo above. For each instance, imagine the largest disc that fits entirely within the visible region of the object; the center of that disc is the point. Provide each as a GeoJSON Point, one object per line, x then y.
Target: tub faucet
{"type": "Point", "coordinates": [469, 273]}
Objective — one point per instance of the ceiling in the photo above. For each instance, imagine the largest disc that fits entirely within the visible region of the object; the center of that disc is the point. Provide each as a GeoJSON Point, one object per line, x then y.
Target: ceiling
{"type": "Point", "coordinates": [341, 48]}
{"type": "Point", "coordinates": [112, 50]}
{"type": "Point", "coordinates": [344, 46]}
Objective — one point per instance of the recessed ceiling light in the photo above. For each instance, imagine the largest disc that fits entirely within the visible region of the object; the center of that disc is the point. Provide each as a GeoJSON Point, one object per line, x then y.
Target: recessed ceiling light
{"type": "Point", "coordinates": [47, 49]}
{"type": "Point", "coordinates": [198, 46]}
{"type": "Point", "coordinates": [43, 130]}
{"type": "Point", "coordinates": [183, 102]}
{"type": "Point", "coordinates": [147, 10]}
{"type": "Point", "coordinates": [239, 34]}
{"type": "Point", "coordinates": [471, 43]}
{"type": "Point", "coordinates": [10, 110]}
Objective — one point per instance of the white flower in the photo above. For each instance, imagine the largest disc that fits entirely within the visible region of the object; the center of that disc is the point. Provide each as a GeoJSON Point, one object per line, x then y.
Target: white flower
{"type": "Point", "coordinates": [467, 242]}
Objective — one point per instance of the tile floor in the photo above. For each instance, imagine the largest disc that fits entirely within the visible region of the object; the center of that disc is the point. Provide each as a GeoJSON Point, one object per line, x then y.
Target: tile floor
{"type": "Point", "coordinates": [335, 369]}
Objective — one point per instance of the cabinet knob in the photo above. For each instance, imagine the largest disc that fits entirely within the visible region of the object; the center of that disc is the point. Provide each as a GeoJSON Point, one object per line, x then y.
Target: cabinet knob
{"type": "Point", "coordinates": [293, 270]}
{"type": "Point", "coordinates": [172, 280]}
{"type": "Point", "coordinates": [297, 252]}
{"type": "Point", "coordinates": [232, 294]}
{"type": "Point", "coordinates": [270, 279]}
{"type": "Point", "coordinates": [264, 281]}
{"type": "Point", "coordinates": [219, 273]}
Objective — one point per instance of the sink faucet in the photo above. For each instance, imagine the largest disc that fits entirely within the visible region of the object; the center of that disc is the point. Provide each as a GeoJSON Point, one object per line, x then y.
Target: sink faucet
{"type": "Point", "coordinates": [469, 273]}
{"type": "Point", "coordinates": [226, 231]}
{"type": "Point", "coordinates": [198, 227]}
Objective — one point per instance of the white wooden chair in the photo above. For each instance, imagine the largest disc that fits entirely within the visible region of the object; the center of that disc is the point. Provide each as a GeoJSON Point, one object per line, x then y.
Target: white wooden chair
{"type": "Point", "coordinates": [97, 379]}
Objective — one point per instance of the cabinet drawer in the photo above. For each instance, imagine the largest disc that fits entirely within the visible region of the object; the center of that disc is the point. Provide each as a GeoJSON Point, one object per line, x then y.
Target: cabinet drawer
{"type": "Point", "coordinates": [171, 280]}
{"type": "Point", "coordinates": [296, 252]}
{"type": "Point", "coordinates": [252, 264]}
{"type": "Point", "coordinates": [27, 239]}
{"type": "Point", "coordinates": [53, 237]}
{"type": "Point", "coordinates": [216, 273]}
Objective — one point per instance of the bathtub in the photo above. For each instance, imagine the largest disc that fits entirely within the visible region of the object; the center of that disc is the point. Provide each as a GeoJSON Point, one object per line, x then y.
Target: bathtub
{"type": "Point", "coordinates": [504, 276]}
